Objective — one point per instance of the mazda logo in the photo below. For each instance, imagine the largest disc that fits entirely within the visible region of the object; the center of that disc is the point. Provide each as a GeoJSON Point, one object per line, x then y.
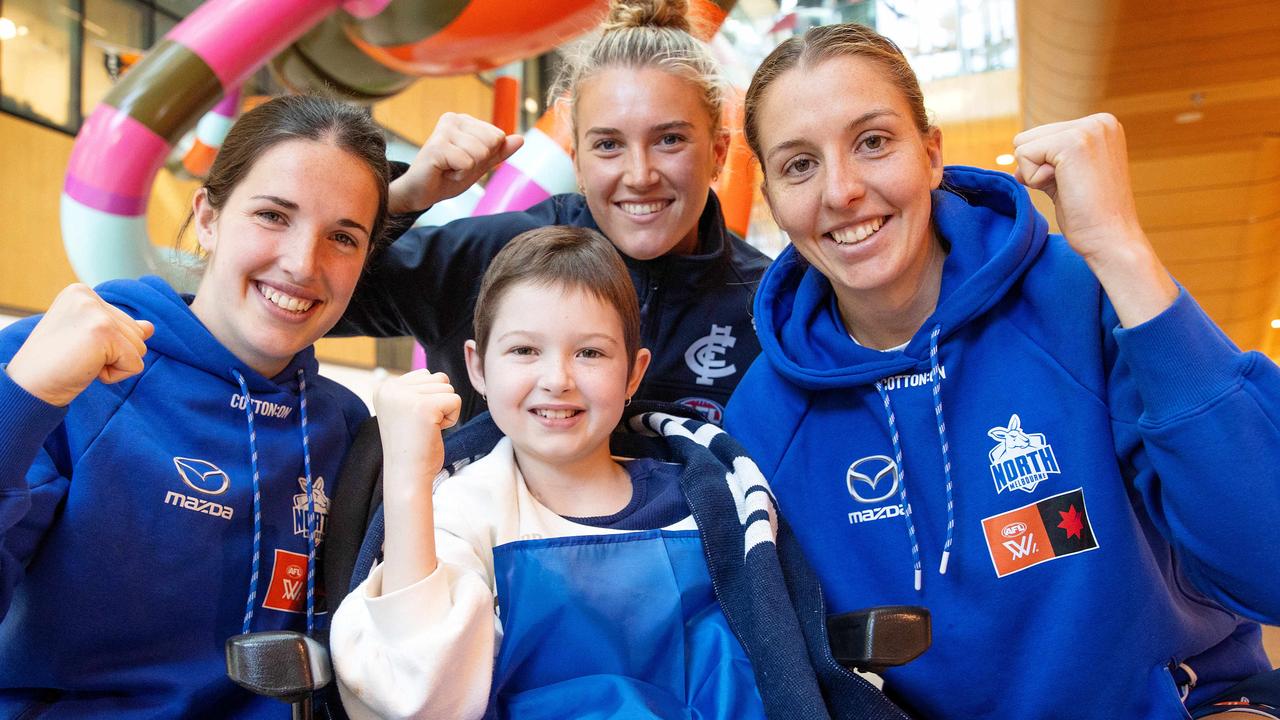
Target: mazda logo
{"type": "Point", "coordinates": [873, 479]}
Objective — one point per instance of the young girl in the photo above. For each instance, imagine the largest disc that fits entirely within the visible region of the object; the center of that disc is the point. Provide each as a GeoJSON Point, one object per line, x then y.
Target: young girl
{"type": "Point", "coordinates": [550, 580]}
{"type": "Point", "coordinates": [645, 100]}
{"type": "Point", "coordinates": [165, 461]}
{"type": "Point", "coordinates": [1040, 438]}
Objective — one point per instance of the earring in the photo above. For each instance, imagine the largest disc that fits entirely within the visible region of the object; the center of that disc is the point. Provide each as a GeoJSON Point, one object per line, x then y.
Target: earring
{"type": "Point", "coordinates": [626, 402]}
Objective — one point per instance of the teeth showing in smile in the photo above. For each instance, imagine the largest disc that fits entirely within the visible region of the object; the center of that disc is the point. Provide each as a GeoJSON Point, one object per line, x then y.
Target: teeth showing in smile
{"type": "Point", "coordinates": [285, 301]}
{"type": "Point", "coordinates": [555, 414]}
{"type": "Point", "coordinates": [856, 234]}
{"type": "Point", "coordinates": [648, 208]}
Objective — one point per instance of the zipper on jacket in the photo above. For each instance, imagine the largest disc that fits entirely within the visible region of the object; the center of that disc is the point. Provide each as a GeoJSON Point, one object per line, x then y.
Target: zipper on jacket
{"type": "Point", "coordinates": [649, 307]}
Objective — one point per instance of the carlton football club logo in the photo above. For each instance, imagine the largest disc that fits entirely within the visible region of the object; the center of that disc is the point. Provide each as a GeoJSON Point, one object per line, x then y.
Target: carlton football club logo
{"type": "Point", "coordinates": [300, 509]}
{"type": "Point", "coordinates": [1020, 460]}
{"type": "Point", "coordinates": [704, 356]}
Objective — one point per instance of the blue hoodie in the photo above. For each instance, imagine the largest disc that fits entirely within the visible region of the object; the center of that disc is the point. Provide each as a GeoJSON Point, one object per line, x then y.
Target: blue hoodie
{"type": "Point", "coordinates": [127, 522]}
{"type": "Point", "coordinates": [1080, 506]}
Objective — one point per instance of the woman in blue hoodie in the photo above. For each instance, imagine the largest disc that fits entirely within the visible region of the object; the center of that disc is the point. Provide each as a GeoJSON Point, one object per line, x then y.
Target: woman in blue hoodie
{"type": "Point", "coordinates": [1040, 438]}
{"type": "Point", "coordinates": [166, 461]}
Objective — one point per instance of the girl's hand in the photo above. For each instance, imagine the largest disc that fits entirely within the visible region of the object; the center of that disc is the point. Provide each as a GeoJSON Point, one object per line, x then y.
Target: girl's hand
{"type": "Point", "coordinates": [80, 339]}
{"type": "Point", "coordinates": [412, 411]}
{"type": "Point", "coordinates": [459, 152]}
{"type": "Point", "coordinates": [1083, 165]}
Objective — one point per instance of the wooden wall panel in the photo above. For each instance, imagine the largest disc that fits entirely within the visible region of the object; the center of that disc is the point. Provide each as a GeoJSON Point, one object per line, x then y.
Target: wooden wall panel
{"type": "Point", "coordinates": [33, 267]}
{"type": "Point", "coordinates": [1215, 220]}
{"type": "Point", "coordinates": [413, 113]}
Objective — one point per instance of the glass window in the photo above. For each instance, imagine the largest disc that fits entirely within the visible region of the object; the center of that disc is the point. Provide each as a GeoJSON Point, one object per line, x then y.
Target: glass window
{"type": "Point", "coordinates": [181, 8]}
{"type": "Point", "coordinates": [164, 23]}
{"type": "Point", "coordinates": [59, 58]}
{"type": "Point", "coordinates": [115, 35]}
{"type": "Point", "coordinates": [36, 74]}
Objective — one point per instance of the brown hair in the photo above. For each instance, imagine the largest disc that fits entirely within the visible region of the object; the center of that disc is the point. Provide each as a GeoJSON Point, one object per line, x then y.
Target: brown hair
{"type": "Point", "coordinates": [641, 34]}
{"type": "Point", "coordinates": [299, 117]}
{"type": "Point", "coordinates": [565, 257]}
{"type": "Point", "coordinates": [823, 43]}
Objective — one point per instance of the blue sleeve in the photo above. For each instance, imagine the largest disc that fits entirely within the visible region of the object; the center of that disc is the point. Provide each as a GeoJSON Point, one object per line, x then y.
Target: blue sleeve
{"type": "Point", "coordinates": [30, 486]}
{"type": "Point", "coordinates": [424, 285]}
{"type": "Point", "coordinates": [1197, 426]}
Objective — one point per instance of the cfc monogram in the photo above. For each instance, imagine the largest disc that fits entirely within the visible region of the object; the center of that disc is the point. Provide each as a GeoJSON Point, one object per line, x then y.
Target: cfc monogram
{"type": "Point", "coordinates": [704, 356]}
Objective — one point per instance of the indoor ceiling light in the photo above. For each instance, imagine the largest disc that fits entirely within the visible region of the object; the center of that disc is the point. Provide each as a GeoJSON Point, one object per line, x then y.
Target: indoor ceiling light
{"type": "Point", "coordinates": [1004, 159]}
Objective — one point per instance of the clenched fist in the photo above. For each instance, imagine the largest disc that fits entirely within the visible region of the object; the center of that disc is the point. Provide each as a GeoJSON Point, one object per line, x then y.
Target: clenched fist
{"type": "Point", "coordinates": [459, 152]}
{"type": "Point", "coordinates": [413, 410]}
{"type": "Point", "coordinates": [80, 339]}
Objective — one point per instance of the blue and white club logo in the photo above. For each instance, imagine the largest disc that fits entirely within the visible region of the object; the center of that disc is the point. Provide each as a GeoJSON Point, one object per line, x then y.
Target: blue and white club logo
{"type": "Point", "coordinates": [873, 479]}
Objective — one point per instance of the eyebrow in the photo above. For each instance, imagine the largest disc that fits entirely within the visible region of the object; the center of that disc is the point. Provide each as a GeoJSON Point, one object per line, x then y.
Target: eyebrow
{"type": "Point", "coordinates": [859, 121]}
{"type": "Point", "coordinates": [605, 337]}
{"type": "Point", "coordinates": [291, 205]}
{"type": "Point", "coordinates": [661, 128]}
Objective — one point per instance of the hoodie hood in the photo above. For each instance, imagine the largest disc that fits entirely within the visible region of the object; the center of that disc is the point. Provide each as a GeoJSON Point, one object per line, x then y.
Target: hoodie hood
{"type": "Point", "coordinates": [181, 336]}
{"type": "Point", "coordinates": [798, 321]}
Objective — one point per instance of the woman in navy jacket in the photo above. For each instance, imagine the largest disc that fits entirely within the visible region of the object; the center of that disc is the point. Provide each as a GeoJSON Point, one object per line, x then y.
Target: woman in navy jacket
{"type": "Point", "coordinates": [646, 102]}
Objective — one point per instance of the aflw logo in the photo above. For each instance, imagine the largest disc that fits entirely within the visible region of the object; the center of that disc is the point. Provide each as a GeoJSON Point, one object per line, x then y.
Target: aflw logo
{"type": "Point", "coordinates": [1023, 546]}
{"type": "Point", "coordinates": [293, 584]}
{"type": "Point", "coordinates": [1021, 460]}
{"type": "Point", "coordinates": [287, 590]}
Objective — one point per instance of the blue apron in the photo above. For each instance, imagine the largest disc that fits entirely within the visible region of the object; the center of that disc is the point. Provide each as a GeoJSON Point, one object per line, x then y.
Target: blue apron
{"type": "Point", "coordinates": [615, 626]}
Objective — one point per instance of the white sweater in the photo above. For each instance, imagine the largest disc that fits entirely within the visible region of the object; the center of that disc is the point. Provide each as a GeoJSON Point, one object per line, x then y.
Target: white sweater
{"type": "Point", "coordinates": [427, 650]}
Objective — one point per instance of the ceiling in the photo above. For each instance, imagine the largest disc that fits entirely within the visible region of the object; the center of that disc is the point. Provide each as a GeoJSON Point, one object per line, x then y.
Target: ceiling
{"type": "Point", "coordinates": [1207, 183]}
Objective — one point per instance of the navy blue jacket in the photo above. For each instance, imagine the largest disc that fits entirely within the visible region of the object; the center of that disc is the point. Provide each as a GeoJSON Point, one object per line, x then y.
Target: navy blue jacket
{"type": "Point", "coordinates": [695, 310]}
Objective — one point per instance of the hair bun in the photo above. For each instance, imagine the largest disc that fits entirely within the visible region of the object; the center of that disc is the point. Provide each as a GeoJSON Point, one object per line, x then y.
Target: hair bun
{"type": "Point", "coordinates": [672, 14]}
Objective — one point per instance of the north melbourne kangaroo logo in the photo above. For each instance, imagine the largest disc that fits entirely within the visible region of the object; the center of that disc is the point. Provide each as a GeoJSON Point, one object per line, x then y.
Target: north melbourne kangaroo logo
{"type": "Point", "coordinates": [300, 509]}
{"type": "Point", "coordinates": [704, 356]}
{"type": "Point", "coordinates": [1020, 460]}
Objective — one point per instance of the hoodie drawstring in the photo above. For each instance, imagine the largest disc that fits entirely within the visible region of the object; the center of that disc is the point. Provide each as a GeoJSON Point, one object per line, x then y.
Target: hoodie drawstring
{"type": "Point", "coordinates": [311, 504]}
{"type": "Point", "coordinates": [257, 503]}
{"type": "Point", "coordinates": [946, 449]}
{"type": "Point", "coordinates": [902, 482]}
{"type": "Point", "coordinates": [936, 375]}
{"type": "Point", "coordinates": [251, 602]}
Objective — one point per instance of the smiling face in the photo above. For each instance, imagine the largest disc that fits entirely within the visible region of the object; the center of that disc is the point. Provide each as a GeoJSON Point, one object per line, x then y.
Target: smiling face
{"type": "Point", "coordinates": [646, 155]}
{"type": "Point", "coordinates": [848, 176]}
{"type": "Point", "coordinates": [286, 250]}
{"type": "Point", "coordinates": [556, 375]}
